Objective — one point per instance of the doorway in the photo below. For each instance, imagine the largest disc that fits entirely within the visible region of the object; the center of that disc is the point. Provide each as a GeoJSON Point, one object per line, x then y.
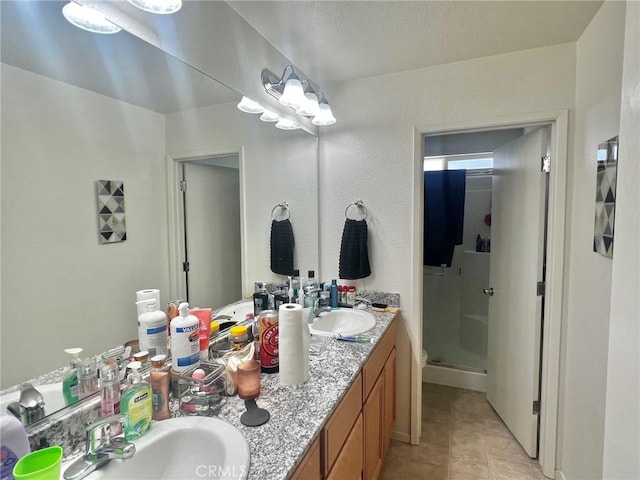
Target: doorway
{"type": "Point", "coordinates": [553, 304]}
{"type": "Point", "coordinates": [205, 213]}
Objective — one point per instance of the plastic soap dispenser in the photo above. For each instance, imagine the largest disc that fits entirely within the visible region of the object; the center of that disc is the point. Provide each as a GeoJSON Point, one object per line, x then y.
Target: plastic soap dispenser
{"type": "Point", "coordinates": [70, 382]}
{"type": "Point", "coordinates": [185, 339]}
{"type": "Point", "coordinates": [137, 405]}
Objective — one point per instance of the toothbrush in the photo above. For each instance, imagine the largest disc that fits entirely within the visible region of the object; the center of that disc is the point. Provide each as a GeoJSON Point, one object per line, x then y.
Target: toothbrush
{"type": "Point", "coordinates": [290, 292]}
{"type": "Point", "coordinates": [353, 338]}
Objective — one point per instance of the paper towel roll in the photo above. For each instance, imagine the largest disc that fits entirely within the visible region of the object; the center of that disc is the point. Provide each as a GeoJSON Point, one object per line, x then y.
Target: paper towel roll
{"type": "Point", "coordinates": [148, 294]}
{"type": "Point", "coordinates": [293, 345]}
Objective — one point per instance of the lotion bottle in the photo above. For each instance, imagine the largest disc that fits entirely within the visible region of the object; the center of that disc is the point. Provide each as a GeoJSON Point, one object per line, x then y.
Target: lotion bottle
{"type": "Point", "coordinates": [70, 382]}
{"type": "Point", "coordinates": [185, 339]}
{"type": "Point", "coordinates": [159, 377]}
{"type": "Point", "coordinates": [152, 330]}
{"type": "Point", "coordinates": [136, 404]}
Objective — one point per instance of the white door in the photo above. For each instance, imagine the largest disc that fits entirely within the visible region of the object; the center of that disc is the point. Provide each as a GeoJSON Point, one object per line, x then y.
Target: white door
{"type": "Point", "coordinates": [212, 234]}
{"type": "Point", "coordinates": [515, 310]}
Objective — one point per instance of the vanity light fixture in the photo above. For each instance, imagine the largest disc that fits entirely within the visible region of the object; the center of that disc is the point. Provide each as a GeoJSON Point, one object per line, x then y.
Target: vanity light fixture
{"type": "Point", "coordinates": [324, 115]}
{"type": "Point", "coordinates": [249, 106]}
{"type": "Point", "coordinates": [288, 90]}
{"type": "Point", "coordinates": [87, 18]}
{"type": "Point", "coordinates": [161, 7]}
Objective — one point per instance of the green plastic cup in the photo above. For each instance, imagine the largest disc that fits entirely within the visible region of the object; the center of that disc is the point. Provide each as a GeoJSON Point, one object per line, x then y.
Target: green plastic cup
{"type": "Point", "coordinates": [39, 465]}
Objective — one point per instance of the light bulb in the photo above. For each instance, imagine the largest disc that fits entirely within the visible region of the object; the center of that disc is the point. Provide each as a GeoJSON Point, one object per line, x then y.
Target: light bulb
{"type": "Point", "coordinates": [284, 124]}
{"type": "Point", "coordinates": [89, 19]}
{"type": "Point", "coordinates": [249, 106]}
{"type": "Point", "coordinates": [324, 116]}
{"type": "Point", "coordinates": [310, 106]}
{"type": "Point", "coordinates": [269, 116]}
{"type": "Point", "coordinates": [293, 95]}
{"type": "Point", "coordinates": [161, 7]}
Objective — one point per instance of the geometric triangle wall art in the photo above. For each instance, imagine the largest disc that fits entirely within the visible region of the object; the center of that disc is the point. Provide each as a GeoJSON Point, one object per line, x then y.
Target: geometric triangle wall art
{"type": "Point", "coordinates": [111, 222]}
{"type": "Point", "coordinates": [606, 176]}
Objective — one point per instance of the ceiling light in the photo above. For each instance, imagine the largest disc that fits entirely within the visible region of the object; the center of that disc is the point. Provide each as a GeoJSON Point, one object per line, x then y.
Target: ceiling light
{"type": "Point", "coordinates": [249, 106]}
{"type": "Point", "coordinates": [325, 115]}
{"type": "Point", "coordinates": [87, 18]}
{"type": "Point", "coordinates": [269, 116]}
{"type": "Point", "coordinates": [284, 124]}
{"type": "Point", "coordinates": [161, 7]}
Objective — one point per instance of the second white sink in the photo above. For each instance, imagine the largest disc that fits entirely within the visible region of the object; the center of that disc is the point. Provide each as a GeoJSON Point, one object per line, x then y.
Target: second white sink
{"type": "Point", "coordinates": [345, 322]}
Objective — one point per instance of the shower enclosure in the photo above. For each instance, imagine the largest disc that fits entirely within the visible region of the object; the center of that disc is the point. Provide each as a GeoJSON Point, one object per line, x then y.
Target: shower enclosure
{"type": "Point", "coordinates": [455, 307]}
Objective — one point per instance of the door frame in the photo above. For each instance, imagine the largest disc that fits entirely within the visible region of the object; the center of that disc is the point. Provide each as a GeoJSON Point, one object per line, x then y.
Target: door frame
{"type": "Point", "coordinates": [175, 216]}
{"type": "Point", "coordinates": [550, 374]}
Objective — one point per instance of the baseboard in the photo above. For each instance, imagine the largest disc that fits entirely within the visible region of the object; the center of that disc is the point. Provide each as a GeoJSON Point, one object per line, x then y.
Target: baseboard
{"type": "Point", "coordinates": [559, 475]}
{"type": "Point", "coordinates": [455, 378]}
{"type": "Point", "coordinates": [401, 437]}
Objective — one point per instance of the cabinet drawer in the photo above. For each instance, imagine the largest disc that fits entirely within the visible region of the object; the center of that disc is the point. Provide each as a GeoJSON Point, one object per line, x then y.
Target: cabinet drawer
{"type": "Point", "coordinates": [374, 365]}
{"type": "Point", "coordinates": [339, 425]}
{"type": "Point", "coordinates": [309, 468]}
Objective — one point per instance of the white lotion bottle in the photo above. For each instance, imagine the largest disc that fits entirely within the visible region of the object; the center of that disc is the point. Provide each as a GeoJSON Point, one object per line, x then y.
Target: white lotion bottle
{"type": "Point", "coordinates": [185, 339]}
{"type": "Point", "coordinates": [14, 444]}
{"type": "Point", "coordinates": [152, 330]}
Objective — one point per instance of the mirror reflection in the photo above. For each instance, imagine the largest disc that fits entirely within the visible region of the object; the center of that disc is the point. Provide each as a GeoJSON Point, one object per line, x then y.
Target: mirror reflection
{"type": "Point", "coordinates": [80, 107]}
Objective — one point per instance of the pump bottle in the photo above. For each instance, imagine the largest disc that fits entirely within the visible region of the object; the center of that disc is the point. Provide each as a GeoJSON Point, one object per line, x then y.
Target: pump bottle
{"type": "Point", "coordinates": [185, 339]}
{"type": "Point", "coordinates": [137, 405]}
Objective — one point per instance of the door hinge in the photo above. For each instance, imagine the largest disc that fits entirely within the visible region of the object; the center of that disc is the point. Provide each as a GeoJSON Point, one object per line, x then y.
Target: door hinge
{"type": "Point", "coordinates": [185, 266]}
{"type": "Point", "coordinates": [540, 288]}
{"type": "Point", "coordinates": [536, 407]}
{"type": "Point", "coordinates": [545, 164]}
{"type": "Point", "coordinates": [183, 185]}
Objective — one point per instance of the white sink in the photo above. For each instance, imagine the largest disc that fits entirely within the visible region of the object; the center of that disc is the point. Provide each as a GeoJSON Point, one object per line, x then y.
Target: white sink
{"type": "Point", "coordinates": [345, 322]}
{"type": "Point", "coordinates": [183, 448]}
{"type": "Point", "coordinates": [52, 394]}
{"type": "Point", "coordinates": [237, 311]}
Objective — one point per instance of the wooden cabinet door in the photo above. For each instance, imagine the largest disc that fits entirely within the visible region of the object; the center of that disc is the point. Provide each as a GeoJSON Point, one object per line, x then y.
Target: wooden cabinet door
{"type": "Point", "coordinates": [348, 464]}
{"type": "Point", "coordinates": [389, 408]}
{"type": "Point", "coordinates": [309, 468]}
{"type": "Point", "coordinates": [373, 415]}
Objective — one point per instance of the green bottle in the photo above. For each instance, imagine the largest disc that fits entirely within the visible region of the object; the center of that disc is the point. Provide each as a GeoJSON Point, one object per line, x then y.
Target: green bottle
{"type": "Point", "coordinates": [137, 404]}
{"type": "Point", "coordinates": [70, 382]}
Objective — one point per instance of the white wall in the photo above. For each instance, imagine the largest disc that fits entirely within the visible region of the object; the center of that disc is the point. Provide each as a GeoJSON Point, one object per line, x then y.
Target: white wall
{"type": "Point", "coordinates": [276, 166]}
{"type": "Point", "coordinates": [597, 116]}
{"type": "Point", "coordinates": [369, 154]}
{"type": "Point", "coordinates": [622, 416]}
{"type": "Point", "coordinates": [60, 287]}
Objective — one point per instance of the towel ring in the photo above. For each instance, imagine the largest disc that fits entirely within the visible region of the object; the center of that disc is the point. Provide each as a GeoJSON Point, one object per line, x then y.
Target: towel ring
{"type": "Point", "coordinates": [357, 204]}
{"type": "Point", "coordinates": [283, 206]}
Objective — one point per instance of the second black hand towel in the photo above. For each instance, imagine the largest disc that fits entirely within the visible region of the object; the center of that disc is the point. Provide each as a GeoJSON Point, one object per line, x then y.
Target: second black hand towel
{"type": "Point", "coordinates": [282, 247]}
{"type": "Point", "coordinates": [354, 252]}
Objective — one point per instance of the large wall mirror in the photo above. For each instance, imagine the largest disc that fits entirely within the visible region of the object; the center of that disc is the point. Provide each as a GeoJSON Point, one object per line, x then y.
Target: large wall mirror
{"type": "Point", "coordinates": [79, 107]}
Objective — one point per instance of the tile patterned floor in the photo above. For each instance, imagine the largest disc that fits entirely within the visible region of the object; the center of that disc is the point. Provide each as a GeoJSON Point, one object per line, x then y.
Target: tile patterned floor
{"type": "Point", "coordinates": [462, 439]}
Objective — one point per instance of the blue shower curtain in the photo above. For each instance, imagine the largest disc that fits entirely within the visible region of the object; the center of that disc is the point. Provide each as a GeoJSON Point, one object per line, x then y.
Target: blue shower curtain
{"type": "Point", "coordinates": [444, 193]}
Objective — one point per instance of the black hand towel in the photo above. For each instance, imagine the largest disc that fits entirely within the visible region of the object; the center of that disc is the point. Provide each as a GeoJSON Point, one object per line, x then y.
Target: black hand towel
{"type": "Point", "coordinates": [282, 247]}
{"type": "Point", "coordinates": [354, 254]}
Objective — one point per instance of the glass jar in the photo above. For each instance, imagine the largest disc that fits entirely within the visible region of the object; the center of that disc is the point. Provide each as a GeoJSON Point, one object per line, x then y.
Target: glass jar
{"type": "Point", "coordinates": [238, 337]}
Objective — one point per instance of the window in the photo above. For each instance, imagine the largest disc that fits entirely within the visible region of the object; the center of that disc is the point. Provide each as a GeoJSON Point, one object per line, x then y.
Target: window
{"type": "Point", "coordinates": [477, 162]}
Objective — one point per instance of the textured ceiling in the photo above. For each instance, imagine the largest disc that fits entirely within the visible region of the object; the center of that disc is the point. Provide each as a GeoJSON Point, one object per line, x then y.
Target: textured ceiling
{"type": "Point", "coordinates": [334, 41]}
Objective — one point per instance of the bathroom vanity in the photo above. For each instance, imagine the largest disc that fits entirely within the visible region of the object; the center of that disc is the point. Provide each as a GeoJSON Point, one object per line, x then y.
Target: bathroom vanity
{"type": "Point", "coordinates": [338, 424]}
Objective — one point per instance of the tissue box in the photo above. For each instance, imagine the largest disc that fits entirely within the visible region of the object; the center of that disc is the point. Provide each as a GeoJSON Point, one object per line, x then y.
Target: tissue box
{"type": "Point", "coordinates": [202, 396]}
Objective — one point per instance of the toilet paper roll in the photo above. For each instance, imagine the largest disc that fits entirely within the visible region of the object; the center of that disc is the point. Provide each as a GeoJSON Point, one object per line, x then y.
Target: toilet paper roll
{"type": "Point", "coordinates": [148, 294]}
{"type": "Point", "coordinates": [293, 345]}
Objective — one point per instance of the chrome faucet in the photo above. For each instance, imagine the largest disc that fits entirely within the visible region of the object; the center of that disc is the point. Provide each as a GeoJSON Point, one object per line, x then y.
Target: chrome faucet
{"type": "Point", "coordinates": [100, 449]}
{"type": "Point", "coordinates": [30, 407]}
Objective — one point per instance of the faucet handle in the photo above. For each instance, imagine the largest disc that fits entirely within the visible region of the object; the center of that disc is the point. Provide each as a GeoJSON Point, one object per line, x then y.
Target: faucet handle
{"type": "Point", "coordinates": [363, 304]}
{"type": "Point", "coordinates": [99, 432]}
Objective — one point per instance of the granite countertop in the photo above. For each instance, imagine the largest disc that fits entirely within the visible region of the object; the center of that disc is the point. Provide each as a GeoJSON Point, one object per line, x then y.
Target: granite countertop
{"type": "Point", "coordinates": [298, 413]}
